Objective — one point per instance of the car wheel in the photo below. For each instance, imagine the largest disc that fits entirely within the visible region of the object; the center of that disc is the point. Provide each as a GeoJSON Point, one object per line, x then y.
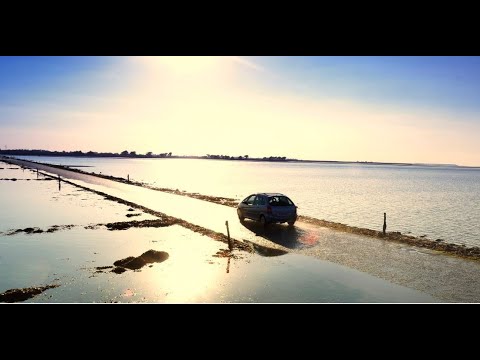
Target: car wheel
{"type": "Point", "coordinates": [240, 215]}
{"type": "Point", "coordinates": [263, 221]}
{"type": "Point", "coordinates": [291, 223]}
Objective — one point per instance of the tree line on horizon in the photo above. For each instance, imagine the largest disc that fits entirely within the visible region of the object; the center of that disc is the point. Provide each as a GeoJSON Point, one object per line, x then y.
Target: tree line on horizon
{"type": "Point", "coordinates": [124, 153]}
{"type": "Point", "coordinates": [129, 154]}
{"type": "Point", "coordinates": [246, 157]}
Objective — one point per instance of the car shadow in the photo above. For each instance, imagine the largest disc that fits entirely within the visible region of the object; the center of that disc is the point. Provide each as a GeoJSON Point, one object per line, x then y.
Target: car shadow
{"type": "Point", "coordinates": [281, 234]}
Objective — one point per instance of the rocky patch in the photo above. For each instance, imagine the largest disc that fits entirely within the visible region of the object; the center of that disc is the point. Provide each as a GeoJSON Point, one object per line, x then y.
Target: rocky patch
{"type": "Point", "coordinates": [135, 263]}
{"type": "Point", "coordinates": [29, 230]}
{"type": "Point", "coordinates": [36, 230]}
{"type": "Point", "coordinates": [131, 215]}
{"type": "Point", "coordinates": [17, 295]}
{"type": "Point", "coordinates": [124, 225]}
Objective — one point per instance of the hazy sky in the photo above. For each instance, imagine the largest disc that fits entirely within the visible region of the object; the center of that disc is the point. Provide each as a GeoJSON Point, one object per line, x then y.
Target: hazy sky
{"type": "Point", "coordinates": [399, 109]}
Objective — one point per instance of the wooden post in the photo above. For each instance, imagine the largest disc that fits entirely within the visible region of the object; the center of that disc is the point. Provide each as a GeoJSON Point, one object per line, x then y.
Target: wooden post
{"type": "Point", "coordinates": [384, 223]}
{"type": "Point", "coordinates": [229, 240]}
{"type": "Point", "coordinates": [128, 178]}
{"type": "Point", "coordinates": [37, 173]}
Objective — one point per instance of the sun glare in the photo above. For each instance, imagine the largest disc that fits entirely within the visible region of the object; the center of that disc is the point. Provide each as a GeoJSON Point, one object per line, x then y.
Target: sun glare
{"type": "Point", "coordinates": [184, 65]}
{"type": "Point", "coordinates": [189, 64]}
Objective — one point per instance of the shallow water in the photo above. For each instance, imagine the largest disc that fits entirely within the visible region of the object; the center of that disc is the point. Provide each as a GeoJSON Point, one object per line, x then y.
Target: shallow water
{"type": "Point", "coordinates": [41, 203]}
{"type": "Point", "coordinates": [190, 274]}
{"type": "Point", "coordinates": [439, 202]}
{"type": "Point", "coordinates": [445, 277]}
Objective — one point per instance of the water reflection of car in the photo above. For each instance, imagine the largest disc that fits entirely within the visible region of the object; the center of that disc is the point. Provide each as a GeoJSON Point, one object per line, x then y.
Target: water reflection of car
{"type": "Point", "coordinates": [268, 208]}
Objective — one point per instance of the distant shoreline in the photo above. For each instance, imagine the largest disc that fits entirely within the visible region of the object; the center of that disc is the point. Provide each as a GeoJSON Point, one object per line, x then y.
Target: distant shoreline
{"type": "Point", "coordinates": [77, 154]}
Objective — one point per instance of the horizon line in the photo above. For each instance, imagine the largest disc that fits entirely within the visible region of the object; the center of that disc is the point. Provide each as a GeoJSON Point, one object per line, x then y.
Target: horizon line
{"type": "Point", "coordinates": [229, 157]}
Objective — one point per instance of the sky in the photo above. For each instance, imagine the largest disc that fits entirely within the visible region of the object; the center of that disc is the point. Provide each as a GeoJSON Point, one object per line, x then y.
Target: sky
{"type": "Point", "coordinates": [387, 109]}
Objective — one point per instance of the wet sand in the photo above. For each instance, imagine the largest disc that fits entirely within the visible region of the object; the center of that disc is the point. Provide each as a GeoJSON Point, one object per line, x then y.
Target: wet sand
{"type": "Point", "coordinates": [401, 264]}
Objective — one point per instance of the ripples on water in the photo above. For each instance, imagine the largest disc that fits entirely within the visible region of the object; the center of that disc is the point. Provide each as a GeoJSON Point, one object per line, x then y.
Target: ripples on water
{"type": "Point", "coordinates": [439, 202]}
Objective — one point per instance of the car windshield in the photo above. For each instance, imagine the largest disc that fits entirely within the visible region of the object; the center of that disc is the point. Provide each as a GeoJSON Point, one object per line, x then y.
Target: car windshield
{"type": "Point", "coordinates": [279, 201]}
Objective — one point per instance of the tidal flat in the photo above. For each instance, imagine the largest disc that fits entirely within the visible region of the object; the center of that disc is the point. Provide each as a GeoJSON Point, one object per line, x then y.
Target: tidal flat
{"type": "Point", "coordinates": [74, 262]}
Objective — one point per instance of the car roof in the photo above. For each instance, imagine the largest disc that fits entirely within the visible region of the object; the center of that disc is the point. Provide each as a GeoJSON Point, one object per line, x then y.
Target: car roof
{"type": "Point", "coordinates": [271, 194]}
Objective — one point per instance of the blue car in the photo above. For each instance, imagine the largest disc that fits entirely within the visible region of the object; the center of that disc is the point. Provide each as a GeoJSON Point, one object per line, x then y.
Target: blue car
{"type": "Point", "coordinates": [268, 208]}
